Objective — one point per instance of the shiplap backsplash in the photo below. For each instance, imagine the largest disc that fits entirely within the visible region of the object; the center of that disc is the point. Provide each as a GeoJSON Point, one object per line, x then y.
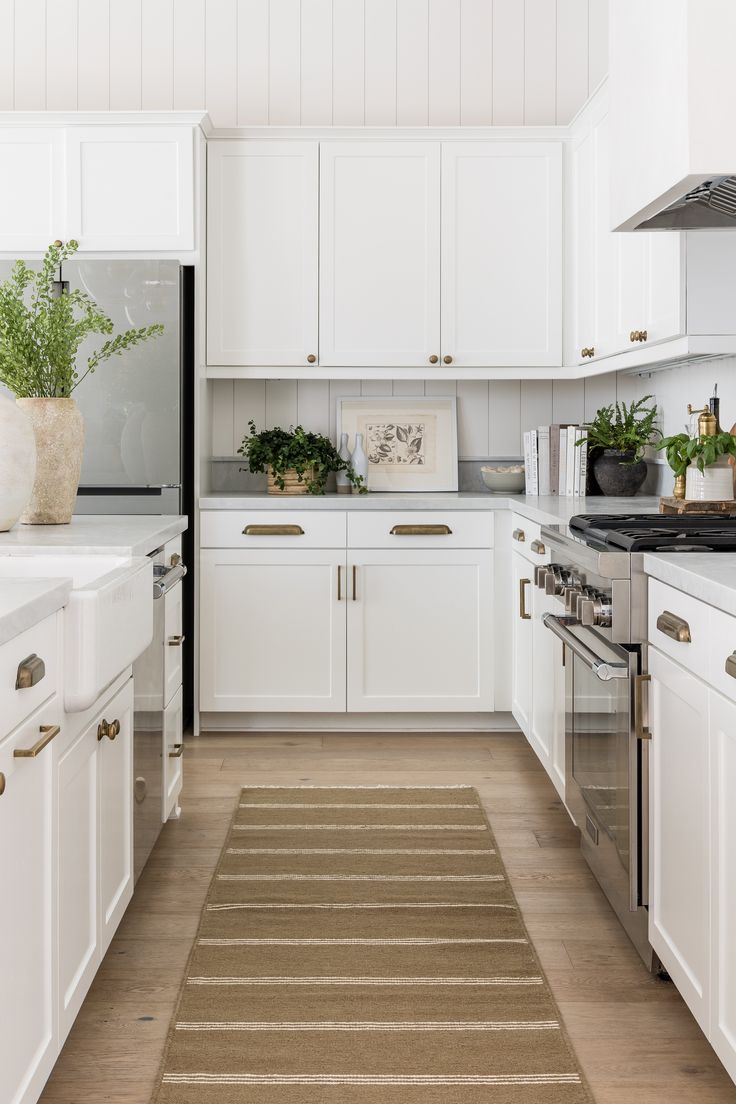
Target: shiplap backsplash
{"type": "Point", "coordinates": [492, 415]}
{"type": "Point", "coordinates": [307, 62]}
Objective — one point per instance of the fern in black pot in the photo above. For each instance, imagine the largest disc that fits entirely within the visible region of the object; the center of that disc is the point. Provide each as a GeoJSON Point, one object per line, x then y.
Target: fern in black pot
{"type": "Point", "coordinates": [619, 435]}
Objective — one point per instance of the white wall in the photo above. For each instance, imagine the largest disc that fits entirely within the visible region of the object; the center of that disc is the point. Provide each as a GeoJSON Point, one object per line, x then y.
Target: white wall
{"type": "Point", "coordinates": [302, 62]}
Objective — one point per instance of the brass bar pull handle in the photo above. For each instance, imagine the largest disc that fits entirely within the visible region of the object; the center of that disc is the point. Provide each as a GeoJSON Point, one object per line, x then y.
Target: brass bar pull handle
{"type": "Point", "coordinates": [421, 531]}
{"type": "Point", "coordinates": [30, 672]}
{"type": "Point", "coordinates": [519, 535]}
{"type": "Point", "coordinates": [522, 600]}
{"type": "Point", "coordinates": [273, 531]}
{"type": "Point", "coordinates": [355, 583]}
{"type": "Point", "coordinates": [177, 752]}
{"type": "Point", "coordinates": [674, 627]}
{"type": "Point", "coordinates": [538, 547]}
{"type": "Point", "coordinates": [731, 665]}
{"type": "Point", "coordinates": [339, 582]}
{"type": "Point", "coordinates": [642, 732]}
{"type": "Point", "coordinates": [48, 733]}
{"type": "Point", "coordinates": [176, 641]}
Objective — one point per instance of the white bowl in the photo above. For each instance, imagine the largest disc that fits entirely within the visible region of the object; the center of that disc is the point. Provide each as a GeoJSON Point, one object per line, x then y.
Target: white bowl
{"type": "Point", "coordinates": [504, 478]}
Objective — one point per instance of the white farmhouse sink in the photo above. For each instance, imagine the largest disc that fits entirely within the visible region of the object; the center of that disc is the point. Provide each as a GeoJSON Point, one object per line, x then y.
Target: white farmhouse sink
{"type": "Point", "coordinates": [108, 621]}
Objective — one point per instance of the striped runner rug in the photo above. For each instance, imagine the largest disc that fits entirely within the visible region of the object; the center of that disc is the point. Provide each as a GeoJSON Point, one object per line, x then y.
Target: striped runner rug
{"type": "Point", "coordinates": [363, 945]}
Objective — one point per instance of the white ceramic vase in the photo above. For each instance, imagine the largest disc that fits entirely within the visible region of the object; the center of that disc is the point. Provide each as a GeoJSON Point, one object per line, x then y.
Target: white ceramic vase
{"type": "Point", "coordinates": [59, 431]}
{"type": "Point", "coordinates": [713, 484]}
{"type": "Point", "coordinates": [17, 462]}
{"type": "Point", "coordinates": [359, 459]}
{"type": "Point", "coordinates": [341, 479]}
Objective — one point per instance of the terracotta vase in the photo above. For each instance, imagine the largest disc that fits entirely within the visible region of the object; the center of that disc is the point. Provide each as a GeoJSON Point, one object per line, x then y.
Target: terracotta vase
{"type": "Point", "coordinates": [17, 462]}
{"type": "Point", "coordinates": [59, 430]}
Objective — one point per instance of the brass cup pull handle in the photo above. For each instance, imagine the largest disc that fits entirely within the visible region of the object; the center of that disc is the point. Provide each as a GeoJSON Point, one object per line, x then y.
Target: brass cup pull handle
{"type": "Point", "coordinates": [48, 732]}
{"type": "Point", "coordinates": [638, 335]}
{"type": "Point", "coordinates": [111, 729]}
{"type": "Point", "coordinates": [730, 667]}
{"type": "Point", "coordinates": [523, 583]}
{"type": "Point", "coordinates": [642, 732]}
{"type": "Point", "coordinates": [421, 531]}
{"type": "Point", "coordinates": [177, 752]}
{"type": "Point", "coordinates": [273, 531]}
{"type": "Point", "coordinates": [538, 547]}
{"type": "Point", "coordinates": [519, 535]}
{"type": "Point", "coordinates": [176, 641]}
{"type": "Point", "coordinates": [30, 672]}
{"type": "Point", "coordinates": [674, 627]}
{"type": "Point", "coordinates": [434, 359]}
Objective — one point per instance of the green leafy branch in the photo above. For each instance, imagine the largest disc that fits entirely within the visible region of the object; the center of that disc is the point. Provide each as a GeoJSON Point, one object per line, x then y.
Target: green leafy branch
{"type": "Point", "coordinates": [311, 455]}
{"type": "Point", "coordinates": [624, 428]}
{"type": "Point", "coordinates": [682, 450]}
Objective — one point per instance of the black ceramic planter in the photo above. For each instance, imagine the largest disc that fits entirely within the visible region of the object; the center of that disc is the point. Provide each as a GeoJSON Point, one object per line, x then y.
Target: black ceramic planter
{"type": "Point", "coordinates": [617, 475]}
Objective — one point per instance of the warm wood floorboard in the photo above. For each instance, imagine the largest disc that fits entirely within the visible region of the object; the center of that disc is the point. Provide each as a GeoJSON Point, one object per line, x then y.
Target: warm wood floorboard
{"type": "Point", "coordinates": [633, 1035]}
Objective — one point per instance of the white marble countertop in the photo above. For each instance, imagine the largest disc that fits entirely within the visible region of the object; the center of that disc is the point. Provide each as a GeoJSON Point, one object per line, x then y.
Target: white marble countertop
{"type": "Point", "coordinates": [25, 602]}
{"type": "Point", "coordinates": [549, 510]}
{"type": "Point", "coordinates": [708, 576]}
{"type": "Point", "coordinates": [118, 534]}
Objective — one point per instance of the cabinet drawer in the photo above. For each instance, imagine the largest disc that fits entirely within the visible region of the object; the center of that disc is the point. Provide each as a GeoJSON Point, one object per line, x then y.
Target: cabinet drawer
{"type": "Point", "coordinates": [40, 640]}
{"type": "Point", "coordinates": [722, 650]}
{"type": "Point", "coordinates": [420, 529]}
{"type": "Point", "coordinates": [173, 750]}
{"type": "Point", "coordinates": [304, 529]}
{"type": "Point", "coordinates": [526, 539]}
{"type": "Point", "coordinates": [679, 626]}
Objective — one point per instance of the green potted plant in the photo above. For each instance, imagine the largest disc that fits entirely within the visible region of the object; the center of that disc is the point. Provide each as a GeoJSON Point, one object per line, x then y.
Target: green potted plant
{"type": "Point", "coordinates": [41, 329]}
{"type": "Point", "coordinates": [618, 436]}
{"type": "Point", "coordinates": [701, 465]}
{"type": "Point", "coordinates": [295, 462]}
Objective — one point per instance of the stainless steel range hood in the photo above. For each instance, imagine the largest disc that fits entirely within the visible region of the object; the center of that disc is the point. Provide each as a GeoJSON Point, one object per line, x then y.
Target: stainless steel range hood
{"type": "Point", "coordinates": [711, 205]}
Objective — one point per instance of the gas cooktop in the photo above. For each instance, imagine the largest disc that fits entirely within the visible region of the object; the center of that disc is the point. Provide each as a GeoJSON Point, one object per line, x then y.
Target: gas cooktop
{"type": "Point", "coordinates": [656, 532]}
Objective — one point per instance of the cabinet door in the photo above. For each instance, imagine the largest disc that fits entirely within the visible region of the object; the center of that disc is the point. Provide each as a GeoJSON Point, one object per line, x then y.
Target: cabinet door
{"type": "Point", "coordinates": [28, 919]}
{"type": "Point", "coordinates": [502, 253]}
{"type": "Point", "coordinates": [262, 260]}
{"type": "Point", "coordinates": [723, 870]}
{"type": "Point", "coordinates": [273, 630]}
{"type": "Point", "coordinates": [32, 191]}
{"type": "Point", "coordinates": [547, 730]}
{"type": "Point", "coordinates": [131, 187]}
{"type": "Point", "coordinates": [173, 748]}
{"type": "Point", "coordinates": [115, 798]}
{"type": "Point", "coordinates": [78, 872]}
{"type": "Point", "coordinates": [647, 288]}
{"type": "Point", "coordinates": [521, 642]}
{"type": "Point", "coordinates": [420, 631]}
{"type": "Point", "coordinates": [679, 915]}
{"type": "Point", "coordinates": [379, 253]}
{"type": "Point", "coordinates": [173, 641]}
{"type": "Point", "coordinates": [582, 210]}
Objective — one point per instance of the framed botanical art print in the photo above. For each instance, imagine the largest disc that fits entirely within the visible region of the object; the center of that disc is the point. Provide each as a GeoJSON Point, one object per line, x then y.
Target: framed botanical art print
{"type": "Point", "coordinates": [411, 443]}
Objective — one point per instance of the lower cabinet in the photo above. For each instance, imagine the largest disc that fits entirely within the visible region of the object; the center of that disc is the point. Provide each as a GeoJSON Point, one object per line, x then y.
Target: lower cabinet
{"type": "Point", "coordinates": [723, 888]}
{"type": "Point", "coordinates": [28, 1040]}
{"type": "Point", "coordinates": [521, 641]}
{"type": "Point", "coordinates": [547, 728]}
{"type": "Point", "coordinates": [173, 750]}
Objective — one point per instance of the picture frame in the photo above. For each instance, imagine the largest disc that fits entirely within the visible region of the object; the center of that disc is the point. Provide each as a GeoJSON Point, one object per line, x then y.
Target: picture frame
{"type": "Point", "coordinates": [410, 441]}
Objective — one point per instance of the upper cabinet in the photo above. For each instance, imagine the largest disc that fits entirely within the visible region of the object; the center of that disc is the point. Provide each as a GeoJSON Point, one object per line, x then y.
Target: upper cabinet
{"type": "Point", "coordinates": [502, 253]}
{"type": "Point", "coordinates": [262, 259]}
{"type": "Point", "coordinates": [111, 187]}
{"type": "Point", "coordinates": [379, 253]}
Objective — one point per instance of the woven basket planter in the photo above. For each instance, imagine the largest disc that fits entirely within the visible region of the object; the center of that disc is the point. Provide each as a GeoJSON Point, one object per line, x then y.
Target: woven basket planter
{"type": "Point", "coordinates": [293, 484]}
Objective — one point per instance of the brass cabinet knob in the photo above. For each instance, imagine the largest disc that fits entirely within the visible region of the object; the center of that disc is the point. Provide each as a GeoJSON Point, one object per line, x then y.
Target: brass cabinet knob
{"type": "Point", "coordinates": [588, 351]}
{"type": "Point", "coordinates": [111, 729]}
{"type": "Point", "coordinates": [638, 335]}
{"type": "Point", "coordinates": [176, 641]}
{"type": "Point", "coordinates": [447, 359]}
{"type": "Point", "coordinates": [434, 358]}
{"type": "Point", "coordinates": [311, 359]}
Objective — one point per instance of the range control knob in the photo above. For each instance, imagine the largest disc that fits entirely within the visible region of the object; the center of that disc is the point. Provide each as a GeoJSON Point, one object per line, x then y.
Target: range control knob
{"type": "Point", "coordinates": [584, 599]}
{"type": "Point", "coordinates": [586, 611]}
{"type": "Point", "coordinates": [540, 576]}
{"type": "Point", "coordinates": [570, 594]}
{"type": "Point", "coordinates": [556, 580]}
{"type": "Point", "coordinates": [595, 610]}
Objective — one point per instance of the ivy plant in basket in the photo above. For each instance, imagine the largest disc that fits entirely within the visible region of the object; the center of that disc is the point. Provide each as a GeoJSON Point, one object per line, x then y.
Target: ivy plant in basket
{"type": "Point", "coordinates": [296, 462]}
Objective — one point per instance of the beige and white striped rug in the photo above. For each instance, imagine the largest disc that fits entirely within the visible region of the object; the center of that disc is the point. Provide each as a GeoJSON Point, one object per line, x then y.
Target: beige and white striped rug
{"type": "Point", "coordinates": [360, 945]}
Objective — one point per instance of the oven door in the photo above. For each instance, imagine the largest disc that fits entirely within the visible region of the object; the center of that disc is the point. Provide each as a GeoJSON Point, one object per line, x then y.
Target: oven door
{"type": "Point", "coordinates": [604, 762]}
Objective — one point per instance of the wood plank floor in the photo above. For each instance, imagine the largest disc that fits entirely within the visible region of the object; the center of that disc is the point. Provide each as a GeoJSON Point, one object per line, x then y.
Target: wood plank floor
{"type": "Point", "coordinates": [633, 1035]}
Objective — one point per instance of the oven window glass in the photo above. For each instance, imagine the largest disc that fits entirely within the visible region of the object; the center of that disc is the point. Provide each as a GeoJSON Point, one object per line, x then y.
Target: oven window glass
{"type": "Point", "coordinates": [600, 752]}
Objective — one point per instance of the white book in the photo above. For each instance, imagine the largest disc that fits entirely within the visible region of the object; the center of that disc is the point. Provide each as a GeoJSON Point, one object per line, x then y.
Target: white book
{"type": "Point", "coordinates": [534, 458]}
{"type": "Point", "coordinates": [571, 460]}
{"type": "Point", "coordinates": [583, 463]}
{"type": "Point", "coordinates": [562, 483]}
{"type": "Point", "coordinates": [543, 449]}
{"type": "Point", "coordinates": [580, 435]}
{"type": "Point", "coordinates": [527, 464]}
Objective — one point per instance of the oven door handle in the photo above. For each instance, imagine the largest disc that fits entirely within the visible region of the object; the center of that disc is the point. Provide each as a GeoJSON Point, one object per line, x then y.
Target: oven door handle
{"type": "Point", "coordinates": [601, 668]}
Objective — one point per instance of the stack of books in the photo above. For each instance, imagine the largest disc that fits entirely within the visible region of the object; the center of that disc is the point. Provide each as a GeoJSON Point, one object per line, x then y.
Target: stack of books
{"type": "Point", "coordinates": [556, 460]}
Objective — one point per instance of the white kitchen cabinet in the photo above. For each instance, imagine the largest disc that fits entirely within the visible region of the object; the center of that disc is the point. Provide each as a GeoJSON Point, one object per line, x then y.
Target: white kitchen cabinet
{"type": "Point", "coordinates": [502, 253]}
{"type": "Point", "coordinates": [174, 641]}
{"type": "Point", "coordinates": [379, 253]}
{"type": "Point", "coordinates": [679, 818]}
{"type": "Point", "coordinates": [522, 580]}
{"type": "Point", "coordinates": [420, 630]}
{"type": "Point", "coordinates": [547, 728]}
{"type": "Point", "coordinates": [723, 873]}
{"type": "Point", "coordinates": [273, 629]}
{"type": "Point", "coordinates": [115, 797]}
{"type": "Point", "coordinates": [262, 253]}
{"type": "Point", "coordinates": [32, 172]}
{"type": "Point", "coordinates": [172, 754]}
{"type": "Point", "coordinates": [28, 1031]}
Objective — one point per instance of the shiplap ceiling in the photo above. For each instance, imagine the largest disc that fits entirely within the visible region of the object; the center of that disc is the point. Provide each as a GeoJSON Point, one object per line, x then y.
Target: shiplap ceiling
{"type": "Point", "coordinates": [307, 62]}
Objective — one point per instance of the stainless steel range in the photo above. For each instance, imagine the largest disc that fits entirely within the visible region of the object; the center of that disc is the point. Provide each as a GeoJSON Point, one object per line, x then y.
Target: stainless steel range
{"type": "Point", "coordinates": [596, 572]}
